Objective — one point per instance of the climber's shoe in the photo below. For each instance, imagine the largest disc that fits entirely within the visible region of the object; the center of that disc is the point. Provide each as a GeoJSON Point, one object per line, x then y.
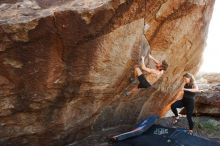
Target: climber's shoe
{"type": "Point", "coordinates": [175, 120]}
{"type": "Point", "coordinates": [190, 132]}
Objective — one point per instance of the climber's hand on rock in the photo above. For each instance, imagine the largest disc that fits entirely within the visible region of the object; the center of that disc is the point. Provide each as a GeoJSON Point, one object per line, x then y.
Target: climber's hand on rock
{"type": "Point", "coordinates": [142, 57]}
{"type": "Point", "coordinates": [202, 91]}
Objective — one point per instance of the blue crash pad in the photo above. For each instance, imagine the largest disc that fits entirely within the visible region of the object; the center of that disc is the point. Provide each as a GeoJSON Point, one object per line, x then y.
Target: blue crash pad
{"type": "Point", "coordinates": [138, 129]}
{"type": "Point", "coordinates": [158, 135]}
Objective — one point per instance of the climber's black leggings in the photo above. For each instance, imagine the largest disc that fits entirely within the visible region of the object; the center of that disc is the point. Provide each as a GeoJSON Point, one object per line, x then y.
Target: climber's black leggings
{"type": "Point", "coordinates": [188, 103]}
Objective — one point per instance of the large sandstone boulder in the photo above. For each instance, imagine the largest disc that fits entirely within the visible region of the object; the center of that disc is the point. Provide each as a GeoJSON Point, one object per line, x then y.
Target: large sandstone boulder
{"type": "Point", "coordinates": [209, 78]}
{"type": "Point", "coordinates": [208, 103]}
{"type": "Point", "coordinates": [64, 65]}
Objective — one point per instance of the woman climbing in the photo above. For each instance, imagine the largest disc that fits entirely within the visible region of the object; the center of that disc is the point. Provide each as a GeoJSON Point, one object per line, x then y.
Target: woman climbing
{"type": "Point", "coordinates": [149, 76]}
{"type": "Point", "coordinates": [190, 89]}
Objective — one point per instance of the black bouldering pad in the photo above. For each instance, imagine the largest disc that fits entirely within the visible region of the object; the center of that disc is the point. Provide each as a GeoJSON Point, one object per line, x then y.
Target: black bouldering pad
{"type": "Point", "coordinates": [163, 136]}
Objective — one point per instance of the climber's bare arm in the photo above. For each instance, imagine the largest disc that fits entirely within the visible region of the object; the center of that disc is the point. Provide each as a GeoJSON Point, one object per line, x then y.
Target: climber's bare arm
{"type": "Point", "coordinates": [155, 60]}
{"type": "Point", "coordinates": [194, 89]}
{"type": "Point", "coordinates": [143, 67]}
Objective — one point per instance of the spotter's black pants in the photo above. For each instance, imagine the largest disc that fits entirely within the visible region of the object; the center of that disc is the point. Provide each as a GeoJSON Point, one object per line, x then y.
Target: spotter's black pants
{"type": "Point", "coordinates": [188, 103]}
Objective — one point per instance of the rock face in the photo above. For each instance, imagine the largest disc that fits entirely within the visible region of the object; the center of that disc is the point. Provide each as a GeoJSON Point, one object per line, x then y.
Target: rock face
{"type": "Point", "coordinates": [208, 103]}
{"type": "Point", "coordinates": [65, 65]}
{"type": "Point", "coordinates": [210, 78]}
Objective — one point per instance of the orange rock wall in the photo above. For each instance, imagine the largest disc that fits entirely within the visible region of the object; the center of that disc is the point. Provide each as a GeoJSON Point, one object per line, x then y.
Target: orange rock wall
{"type": "Point", "coordinates": [64, 66]}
